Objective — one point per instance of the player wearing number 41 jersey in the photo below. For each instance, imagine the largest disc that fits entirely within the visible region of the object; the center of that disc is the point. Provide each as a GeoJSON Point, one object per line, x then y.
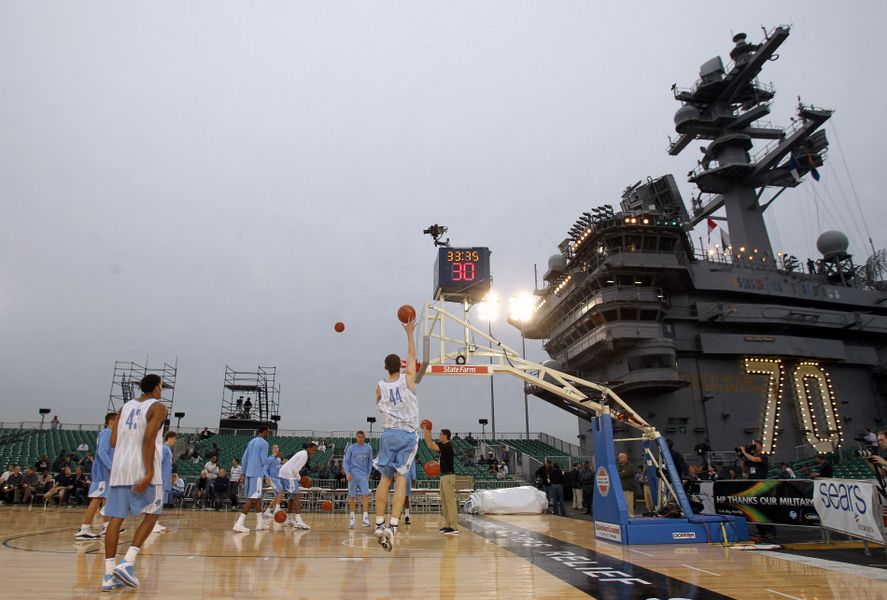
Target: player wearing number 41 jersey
{"type": "Point", "coordinates": [135, 485]}
{"type": "Point", "coordinates": [396, 400]}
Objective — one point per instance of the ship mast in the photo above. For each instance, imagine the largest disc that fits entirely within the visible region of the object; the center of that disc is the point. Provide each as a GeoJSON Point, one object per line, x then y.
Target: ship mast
{"type": "Point", "coordinates": [724, 106]}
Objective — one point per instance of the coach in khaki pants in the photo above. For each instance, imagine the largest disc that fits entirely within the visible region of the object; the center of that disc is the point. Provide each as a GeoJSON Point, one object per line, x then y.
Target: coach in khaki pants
{"type": "Point", "coordinates": [447, 480]}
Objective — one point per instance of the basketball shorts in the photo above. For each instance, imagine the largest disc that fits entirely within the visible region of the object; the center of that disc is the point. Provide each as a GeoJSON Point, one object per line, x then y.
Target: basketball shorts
{"type": "Point", "coordinates": [359, 485]}
{"type": "Point", "coordinates": [276, 485]}
{"type": "Point", "coordinates": [411, 477]}
{"type": "Point", "coordinates": [397, 451]}
{"type": "Point", "coordinates": [121, 501]}
{"type": "Point", "coordinates": [97, 489]}
{"type": "Point", "coordinates": [252, 487]}
{"type": "Point", "coordinates": [290, 487]}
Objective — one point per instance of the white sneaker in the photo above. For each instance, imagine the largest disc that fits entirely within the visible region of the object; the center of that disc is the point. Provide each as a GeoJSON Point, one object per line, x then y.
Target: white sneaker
{"type": "Point", "coordinates": [366, 521]}
{"type": "Point", "coordinates": [351, 523]}
{"type": "Point", "coordinates": [268, 515]}
{"type": "Point", "coordinates": [241, 528]}
{"type": "Point", "coordinates": [386, 539]}
{"type": "Point", "coordinates": [262, 526]}
{"type": "Point", "coordinates": [300, 524]}
{"type": "Point", "coordinates": [158, 528]}
{"type": "Point", "coordinates": [85, 536]}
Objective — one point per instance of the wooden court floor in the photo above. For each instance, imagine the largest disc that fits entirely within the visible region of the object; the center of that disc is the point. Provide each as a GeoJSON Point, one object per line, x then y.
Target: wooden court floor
{"type": "Point", "coordinates": [493, 557]}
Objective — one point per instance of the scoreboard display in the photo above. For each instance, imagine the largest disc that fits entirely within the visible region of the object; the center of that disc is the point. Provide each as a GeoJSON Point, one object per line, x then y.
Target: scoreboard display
{"type": "Point", "coordinates": [462, 273]}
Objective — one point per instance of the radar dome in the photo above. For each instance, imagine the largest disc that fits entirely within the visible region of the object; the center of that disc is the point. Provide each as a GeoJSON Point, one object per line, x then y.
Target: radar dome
{"type": "Point", "coordinates": [686, 113]}
{"type": "Point", "coordinates": [832, 243]}
{"type": "Point", "coordinates": [557, 262]}
{"type": "Point", "coordinates": [551, 364]}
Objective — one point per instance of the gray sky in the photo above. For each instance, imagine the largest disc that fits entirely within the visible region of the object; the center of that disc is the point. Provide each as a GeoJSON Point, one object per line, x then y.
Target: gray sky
{"type": "Point", "coordinates": [222, 182]}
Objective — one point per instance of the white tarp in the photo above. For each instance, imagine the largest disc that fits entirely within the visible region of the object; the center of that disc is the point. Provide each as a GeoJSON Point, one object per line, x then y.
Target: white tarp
{"type": "Point", "coordinates": [507, 501]}
{"type": "Point", "coordinates": [849, 506]}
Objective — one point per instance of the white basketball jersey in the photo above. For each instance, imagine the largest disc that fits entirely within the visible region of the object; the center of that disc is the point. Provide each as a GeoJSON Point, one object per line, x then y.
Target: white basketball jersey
{"type": "Point", "coordinates": [398, 405]}
{"type": "Point", "coordinates": [128, 468]}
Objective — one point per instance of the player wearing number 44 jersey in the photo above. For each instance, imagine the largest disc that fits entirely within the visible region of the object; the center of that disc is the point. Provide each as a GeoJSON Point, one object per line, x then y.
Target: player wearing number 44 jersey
{"type": "Point", "coordinates": [135, 485]}
{"type": "Point", "coordinates": [396, 400]}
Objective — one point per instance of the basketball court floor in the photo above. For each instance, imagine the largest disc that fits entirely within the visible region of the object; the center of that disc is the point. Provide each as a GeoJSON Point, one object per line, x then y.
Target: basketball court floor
{"type": "Point", "coordinates": [537, 556]}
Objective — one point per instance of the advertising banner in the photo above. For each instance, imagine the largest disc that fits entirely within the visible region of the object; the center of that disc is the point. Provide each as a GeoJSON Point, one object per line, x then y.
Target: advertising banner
{"type": "Point", "coordinates": [777, 501]}
{"type": "Point", "coordinates": [849, 506]}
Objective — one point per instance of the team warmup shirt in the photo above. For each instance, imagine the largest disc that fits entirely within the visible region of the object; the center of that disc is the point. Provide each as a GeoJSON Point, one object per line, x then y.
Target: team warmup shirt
{"type": "Point", "coordinates": [291, 468]}
{"type": "Point", "coordinates": [398, 405]}
{"type": "Point", "coordinates": [272, 467]}
{"type": "Point", "coordinates": [104, 456]}
{"type": "Point", "coordinates": [253, 462]}
{"type": "Point", "coordinates": [358, 460]}
{"type": "Point", "coordinates": [167, 468]}
{"type": "Point", "coordinates": [128, 467]}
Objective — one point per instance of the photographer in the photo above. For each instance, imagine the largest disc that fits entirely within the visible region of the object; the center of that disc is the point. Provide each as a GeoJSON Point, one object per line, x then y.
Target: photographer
{"type": "Point", "coordinates": [757, 465]}
{"type": "Point", "coordinates": [877, 461]}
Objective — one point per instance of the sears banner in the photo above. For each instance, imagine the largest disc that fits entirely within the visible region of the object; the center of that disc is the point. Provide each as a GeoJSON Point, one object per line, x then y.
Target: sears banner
{"type": "Point", "coordinates": [778, 501]}
{"type": "Point", "coordinates": [849, 506]}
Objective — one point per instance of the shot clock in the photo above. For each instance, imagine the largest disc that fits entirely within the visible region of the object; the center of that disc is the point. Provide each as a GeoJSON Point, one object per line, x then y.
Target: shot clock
{"type": "Point", "coordinates": [462, 273]}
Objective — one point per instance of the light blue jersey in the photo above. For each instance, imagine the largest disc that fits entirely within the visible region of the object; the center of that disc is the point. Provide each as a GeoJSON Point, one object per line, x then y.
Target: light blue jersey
{"type": "Point", "coordinates": [166, 467]}
{"type": "Point", "coordinates": [272, 467]}
{"type": "Point", "coordinates": [104, 456]}
{"type": "Point", "coordinates": [358, 460]}
{"type": "Point", "coordinates": [253, 461]}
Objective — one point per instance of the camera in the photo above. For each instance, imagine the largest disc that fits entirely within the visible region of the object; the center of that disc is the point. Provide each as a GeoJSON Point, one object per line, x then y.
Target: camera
{"type": "Point", "coordinates": [750, 449]}
{"type": "Point", "coordinates": [864, 453]}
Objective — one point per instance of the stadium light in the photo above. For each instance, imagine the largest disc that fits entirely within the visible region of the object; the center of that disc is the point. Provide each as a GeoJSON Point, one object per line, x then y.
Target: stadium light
{"type": "Point", "coordinates": [179, 416]}
{"type": "Point", "coordinates": [521, 307]}
{"type": "Point", "coordinates": [371, 420]}
{"type": "Point", "coordinates": [488, 308]}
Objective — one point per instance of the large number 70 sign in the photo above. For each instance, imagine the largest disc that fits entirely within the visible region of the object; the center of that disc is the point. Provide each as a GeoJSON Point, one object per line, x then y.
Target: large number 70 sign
{"type": "Point", "coordinates": [807, 375]}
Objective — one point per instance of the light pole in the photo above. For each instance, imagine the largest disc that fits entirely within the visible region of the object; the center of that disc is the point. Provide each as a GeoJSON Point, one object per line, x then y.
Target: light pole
{"type": "Point", "coordinates": [179, 416]}
{"type": "Point", "coordinates": [43, 412]}
{"type": "Point", "coordinates": [488, 310]}
{"type": "Point", "coordinates": [521, 310]}
{"type": "Point", "coordinates": [371, 420]}
{"type": "Point", "coordinates": [483, 425]}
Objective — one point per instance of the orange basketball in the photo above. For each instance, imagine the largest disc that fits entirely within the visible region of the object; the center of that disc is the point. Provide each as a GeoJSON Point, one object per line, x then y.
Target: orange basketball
{"type": "Point", "coordinates": [406, 313]}
{"type": "Point", "coordinates": [280, 516]}
{"type": "Point", "coordinates": [305, 482]}
{"type": "Point", "coordinates": [339, 327]}
{"type": "Point", "coordinates": [326, 506]}
{"type": "Point", "coordinates": [426, 424]}
{"type": "Point", "coordinates": [432, 468]}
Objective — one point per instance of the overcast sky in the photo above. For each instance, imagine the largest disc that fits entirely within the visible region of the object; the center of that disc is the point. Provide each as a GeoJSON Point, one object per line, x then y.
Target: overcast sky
{"type": "Point", "coordinates": [221, 182]}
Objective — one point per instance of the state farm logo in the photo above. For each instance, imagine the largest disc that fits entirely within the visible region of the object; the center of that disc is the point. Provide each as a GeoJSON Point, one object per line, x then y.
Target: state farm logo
{"type": "Point", "coordinates": [603, 481]}
{"type": "Point", "coordinates": [460, 370]}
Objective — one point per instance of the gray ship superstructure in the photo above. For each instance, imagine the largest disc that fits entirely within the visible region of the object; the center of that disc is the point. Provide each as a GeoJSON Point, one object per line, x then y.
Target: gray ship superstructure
{"type": "Point", "coordinates": [735, 341]}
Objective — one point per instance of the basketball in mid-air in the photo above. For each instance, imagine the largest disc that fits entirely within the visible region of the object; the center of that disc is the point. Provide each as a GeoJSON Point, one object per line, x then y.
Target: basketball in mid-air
{"type": "Point", "coordinates": [432, 468]}
{"type": "Point", "coordinates": [280, 516]}
{"type": "Point", "coordinates": [326, 506]}
{"type": "Point", "coordinates": [406, 313]}
{"type": "Point", "coordinates": [305, 482]}
{"type": "Point", "coordinates": [426, 424]}
{"type": "Point", "coordinates": [339, 327]}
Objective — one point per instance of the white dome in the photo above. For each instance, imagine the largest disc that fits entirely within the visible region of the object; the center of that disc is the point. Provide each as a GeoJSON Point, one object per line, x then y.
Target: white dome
{"type": "Point", "coordinates": [557, 262]}
{"type": "Point", "coordinates": [687, 112]}
{"type": "Point", "coordinates": [831, 243]}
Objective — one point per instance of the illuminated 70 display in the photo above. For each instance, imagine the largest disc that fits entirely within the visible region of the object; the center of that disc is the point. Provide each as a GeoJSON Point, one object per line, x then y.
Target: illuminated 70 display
{"type": "Point", "coordinates": [805, 376]}
{"type": "Point", "coordinates": [462, 273]}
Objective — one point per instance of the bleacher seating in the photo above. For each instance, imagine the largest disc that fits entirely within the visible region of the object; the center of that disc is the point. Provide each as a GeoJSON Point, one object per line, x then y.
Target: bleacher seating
{"type": "Point", "coordinates": [535, 448]}
{"type": "Point", "coordinates": [25, 446]}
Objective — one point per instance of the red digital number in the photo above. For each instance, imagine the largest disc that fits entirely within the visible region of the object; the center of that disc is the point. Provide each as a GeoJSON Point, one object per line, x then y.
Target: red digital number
{"type": "Point", "coordinates": [463, 271]}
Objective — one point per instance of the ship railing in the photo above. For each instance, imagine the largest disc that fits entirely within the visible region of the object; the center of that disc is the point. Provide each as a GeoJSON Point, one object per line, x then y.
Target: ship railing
{"type": "Point", "coordinates": [603, 296]}
{"type": "Point", "coordinates": [773, 144]}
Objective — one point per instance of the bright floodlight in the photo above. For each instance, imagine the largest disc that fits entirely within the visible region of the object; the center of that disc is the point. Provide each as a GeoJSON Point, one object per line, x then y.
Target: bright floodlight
{"type": "Point", "coordinates": [522, 307]}
{"type": "Point", "coordinates": [488, 308]}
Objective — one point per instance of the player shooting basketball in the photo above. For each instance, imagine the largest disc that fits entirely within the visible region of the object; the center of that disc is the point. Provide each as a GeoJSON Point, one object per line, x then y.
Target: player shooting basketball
{"type": "Point", "coordinates": [397, 402]}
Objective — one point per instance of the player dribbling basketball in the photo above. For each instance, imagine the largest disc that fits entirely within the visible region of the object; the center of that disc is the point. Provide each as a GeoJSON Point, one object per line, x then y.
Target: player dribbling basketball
{"type": "Point", "coordinates": [397, 402]}
{"type": "Point", "coordinates": [289, 479]}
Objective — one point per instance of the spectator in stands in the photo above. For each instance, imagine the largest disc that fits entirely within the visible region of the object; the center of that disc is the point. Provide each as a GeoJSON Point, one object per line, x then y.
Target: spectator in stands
{"type": "Point", "coordinates": [586, 482]}
{"type": "Point", "coordinates": [42, 464]}
{"type": "Point", "coordinates": [55, 424]}
{"type": "Point", "coordinates": [626, 477]}
{"type": "Point", "coordinates": [502, 473]}
{"type": "Point", "coordinates": [339, 475]}
{"type": "Point", "coordinates": [82, 482]}
{"type": "Point", "coordinates": [805, 472]}
{"type": "Point", "coordinates": [825, 469]}
{"type": "Point", "coordinates": [64, 485]}
{"type": "Point", "coordinates": [556, 490]}
{"type": "Point", "coordinates": [470, 439]}
{"type": "Point", "coordinates": [27, 488]}
{"type": "Point", "coordinates": [85, 463]}
{"type": "Point", "coordinates": [216, 451]}
{"type": "Point", "coordinates": [870, 438]}
{"type": "Point", "coordinates": [785, 471]}
{"type": "Point", "coordinates": [468, 457]}
{"type": "Point", "coordinates": [6, 473]}
{"type": "Point", "coordinates": [505, 455]}
{"type": "Point", "coordinates": [882, 443]}
{"type": "Point", "coordinates": [195, 457]}
{"type": "Point", "coordinates": [205, 433]}
{"type": "Point", "coordinates": [83, 447]}
{"type": "Point", "coordinates": [221, 486]}
{"type": "Point", "coordinates": [201, 489]}
{"type": "Point", "coordinates": [456, 437]}
{"type": "Point", "coordinates": [235, 474]}
{"type": "Point", "coordinates": [45, 483]}
{"type": "Point", "coordinates": [59, 463]}
{"type": "Point", "coordinates": [178, 488]}
{"type": "Point", "coordinates": [321, 446]}
{"type": "Point", "coordinates": [678, 460]}
{"type": "Point", "coordinates": [212, 468]}
{"type": "Point", "coordinates": [492, 463]}
{"type": "Point", "coordinates": [9, 488]}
